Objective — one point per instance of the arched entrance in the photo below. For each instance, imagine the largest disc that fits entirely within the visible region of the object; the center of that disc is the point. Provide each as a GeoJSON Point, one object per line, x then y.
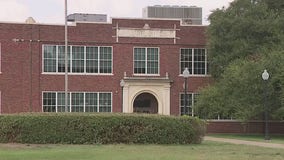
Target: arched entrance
{"type": "Point", "coordinates": [145, 103]}
{"type": "Point", "coordinates": [157, 90]}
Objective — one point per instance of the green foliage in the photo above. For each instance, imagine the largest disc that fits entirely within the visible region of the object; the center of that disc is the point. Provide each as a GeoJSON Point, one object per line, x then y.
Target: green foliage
{"type": "Point", "coordinates": [240, 93]}
{"type": "Point", "coordinates": [100, 129]}
{"type": "Point", "coordinates": [275, 5]}
{"type": "Point", "coordinates": [245, 39]}
{"type": "Point", "coordinates": [243, 30]}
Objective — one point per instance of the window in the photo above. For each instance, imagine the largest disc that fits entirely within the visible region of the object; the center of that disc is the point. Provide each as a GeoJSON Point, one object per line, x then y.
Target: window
{"type": "Point", "coordinates": [191, 100]}
{"type": "Point", "coordinates": [92, 60]}
{"type": "Point", "coordinates": [61, 102]}
{"type": "Point", "coordinates": [49, 63]}
{"type": "Point", "coordinates": [91, 102]}
{"type": "Point", "coordinates": [81, 59]}
{"type": "Point", "coordinates": [61, 58]}
{"type": "Point", "coordinates": [78, 102]}
{"type": "Point", "coordinates": [104, 102]}
{"type": "Point", "coordinates": [146, 61]}
{"type": "Point", "coordinates": [78, 59]}
{"type": "Point", "coordinates": [105, 62]}
{"type": "Point", "coordinates": [49, 102]}
{"type": "Point", "coordinates": [195, 60]}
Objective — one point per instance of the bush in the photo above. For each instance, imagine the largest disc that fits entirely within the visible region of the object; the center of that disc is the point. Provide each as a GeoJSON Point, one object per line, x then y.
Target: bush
{"type": "Point", "coordinates": [100, 129]}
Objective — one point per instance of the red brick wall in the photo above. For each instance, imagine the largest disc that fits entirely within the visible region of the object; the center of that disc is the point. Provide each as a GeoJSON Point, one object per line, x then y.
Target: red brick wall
{"type": "Point", "coordinates": [237, 127]}
{"type": "Point", "coordinates": [22, 81]}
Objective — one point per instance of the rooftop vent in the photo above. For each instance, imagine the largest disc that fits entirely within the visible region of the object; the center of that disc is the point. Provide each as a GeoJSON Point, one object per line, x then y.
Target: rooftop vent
{"type": "Point", "coordinates": [30, 20]}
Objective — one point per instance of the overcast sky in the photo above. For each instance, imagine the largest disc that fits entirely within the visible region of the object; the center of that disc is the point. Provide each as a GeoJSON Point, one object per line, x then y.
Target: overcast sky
{"type": "Point", "coordinates": [52, 11]}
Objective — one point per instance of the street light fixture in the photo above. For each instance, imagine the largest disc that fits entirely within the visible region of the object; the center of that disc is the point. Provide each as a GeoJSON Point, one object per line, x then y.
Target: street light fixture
{"type": "Point", "coordinates": [185, 75]}
{"type": "Point", "coordinates": [122, 83]}
{"type": "Point", "coordinates": [265, 77]}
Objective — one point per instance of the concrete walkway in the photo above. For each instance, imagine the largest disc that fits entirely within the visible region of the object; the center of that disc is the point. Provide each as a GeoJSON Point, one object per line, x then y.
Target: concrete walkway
{"type": "Point", "coordinates": [252, 143]}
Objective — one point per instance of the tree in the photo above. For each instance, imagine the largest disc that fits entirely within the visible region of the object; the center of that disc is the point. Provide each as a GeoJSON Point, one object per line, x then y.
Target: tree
{"type": "Point", "coordinates": [245, 39]}
{"type": "Point", "coordinates": [240, 93]}
{"type": "Point", "coordinates": [275, 5]}
{"type": "Point", "coordinates": [242, 30]}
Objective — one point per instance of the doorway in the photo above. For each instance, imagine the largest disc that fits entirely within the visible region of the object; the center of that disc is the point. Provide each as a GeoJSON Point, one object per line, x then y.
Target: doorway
{"type": "Point", "coordinates": [145, 103]}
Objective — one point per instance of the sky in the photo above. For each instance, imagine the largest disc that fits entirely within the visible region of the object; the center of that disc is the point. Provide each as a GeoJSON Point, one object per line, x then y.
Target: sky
{"type": "Point", "coordinates": [52, 11]}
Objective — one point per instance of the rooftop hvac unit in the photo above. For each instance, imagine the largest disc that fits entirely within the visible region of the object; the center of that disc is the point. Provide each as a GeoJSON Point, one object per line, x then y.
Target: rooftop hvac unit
{"type": "Point", "coordinates": [77, 17]}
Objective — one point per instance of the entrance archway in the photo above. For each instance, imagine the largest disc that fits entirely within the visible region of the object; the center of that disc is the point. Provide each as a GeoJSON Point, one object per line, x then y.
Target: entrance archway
{"type": "Point", "coordinates": [157, 90]}
{"type": "Point", "coordinates": [145, 103]}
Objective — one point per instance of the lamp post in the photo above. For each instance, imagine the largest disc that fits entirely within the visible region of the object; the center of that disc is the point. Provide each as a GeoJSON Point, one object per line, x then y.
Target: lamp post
{"type": "Point", "coordinates": [66, 56]}
{"type": "Point", "coordinates": [185, 75]}
{"type": "Point", "coordinates": [265, 77]}
{"type": "Point", "coordinates": [122, 83]}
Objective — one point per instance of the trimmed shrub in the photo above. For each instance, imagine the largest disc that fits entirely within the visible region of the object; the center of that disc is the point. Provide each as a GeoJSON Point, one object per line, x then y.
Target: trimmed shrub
{"type": "Point", "coordinates": [70, 128]}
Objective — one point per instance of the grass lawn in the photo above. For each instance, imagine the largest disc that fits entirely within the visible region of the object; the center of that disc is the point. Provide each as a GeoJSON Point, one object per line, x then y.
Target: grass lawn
{"type": "Point", "coordinates": [204, 151]}
{"type": "Point", "coordinates": [259, 138]}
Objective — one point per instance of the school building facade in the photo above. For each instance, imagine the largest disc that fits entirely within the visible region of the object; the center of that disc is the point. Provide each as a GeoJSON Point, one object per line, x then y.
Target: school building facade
{"type": "Point", "coordinates": [126, 65]}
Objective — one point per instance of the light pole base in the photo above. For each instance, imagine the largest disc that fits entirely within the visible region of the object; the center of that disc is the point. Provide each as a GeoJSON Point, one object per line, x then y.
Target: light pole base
{"type": "Point", "coordinates": [267, 138]}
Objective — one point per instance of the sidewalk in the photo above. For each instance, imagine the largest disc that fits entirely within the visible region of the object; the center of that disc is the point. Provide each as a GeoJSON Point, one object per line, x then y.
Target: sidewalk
{"type": "Point", "coordinates": [253, 143]}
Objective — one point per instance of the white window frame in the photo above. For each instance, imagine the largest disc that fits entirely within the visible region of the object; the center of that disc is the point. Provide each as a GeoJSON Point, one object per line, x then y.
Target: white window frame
{"type": "Point", "coordinates": [70, 100]}
{"type": "Point", "coordinates": [192, 61]}
{"type": "Point", "coordinates": [76, 73]}
{"type": "Point", "coordinates": [146, 61]}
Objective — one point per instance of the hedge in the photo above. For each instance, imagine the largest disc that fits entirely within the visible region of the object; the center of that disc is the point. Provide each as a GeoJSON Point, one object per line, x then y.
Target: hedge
{"type": "Point", "coordinates": [70, 128]}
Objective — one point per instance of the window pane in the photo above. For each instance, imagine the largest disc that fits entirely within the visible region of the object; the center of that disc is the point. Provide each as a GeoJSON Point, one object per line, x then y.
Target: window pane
{"type": "Point", "coordinates": [49, 65]}
{"type": "Point", "coordinates": [199, 68]}
{"type": "Point", "coordinates": [105, 102]}
{"type": "Point", "coordinates": [77, 102]}
{"type": "Point", "coordinates": [78, 59]}
{"type": "Point", "coordinates": [105, 66]}
{"type": "Point", "coordinates": [152, 61]}
{"type": "Point", "coordinates": [199, 61]}
{"type": "Point", "coordinates": [139, 67]}
{"type": "Point", "coordinates": [152, 54]}
{"type": "Point", "coordinates": [61, 102]}
{"type": "Point", "coordinates": [49, 55]}
{"type": "Point", "coordinates": [188, 109]}
{"type": "Point", "coordinates": [105, 60]}
{"type": "Point", "coordinates": [152, 67]}
{"type": "Point", "coordinates": [61, 58]}
{"type": "Point", "coordinates": [49, 102]}
{"type": "Point", "coordinates": [92, 61]}
{"type": "Point", "coordinates": [139, 54]}
{"type": "Point", "coordinates": [139, 60]}
{"type": "Point", "coordinates": [91, 102]}
{"type": "Point", "coordinates": [186, 60]}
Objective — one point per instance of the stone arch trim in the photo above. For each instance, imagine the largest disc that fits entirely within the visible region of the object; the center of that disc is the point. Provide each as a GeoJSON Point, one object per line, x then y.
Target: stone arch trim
{"type": "Point", "coordinates": [159, 88]}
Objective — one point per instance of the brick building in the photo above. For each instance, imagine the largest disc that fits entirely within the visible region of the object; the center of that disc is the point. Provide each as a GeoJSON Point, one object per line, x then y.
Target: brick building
{"type": "Point", "coordinates": [147, 55]}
